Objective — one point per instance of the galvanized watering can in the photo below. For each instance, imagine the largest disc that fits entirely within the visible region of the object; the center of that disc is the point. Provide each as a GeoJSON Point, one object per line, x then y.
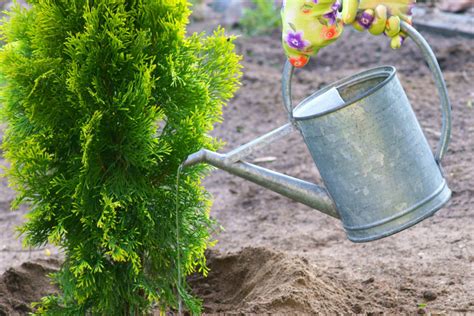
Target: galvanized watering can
{"type": "Point", "coordinates": [379, 172]}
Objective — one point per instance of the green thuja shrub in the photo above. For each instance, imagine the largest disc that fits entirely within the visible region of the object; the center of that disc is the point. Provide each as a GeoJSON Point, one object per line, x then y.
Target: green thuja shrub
{"type": "Point", "coordinates": [104, 99]}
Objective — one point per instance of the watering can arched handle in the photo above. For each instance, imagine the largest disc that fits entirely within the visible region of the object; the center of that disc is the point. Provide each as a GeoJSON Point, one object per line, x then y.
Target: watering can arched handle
{"type": "Point", "coordinates": [437, 75]}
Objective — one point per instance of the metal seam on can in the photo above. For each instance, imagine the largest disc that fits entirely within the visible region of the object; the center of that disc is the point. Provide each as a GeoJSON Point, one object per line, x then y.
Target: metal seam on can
{"type": "Point", "coordinates": [406, 225]}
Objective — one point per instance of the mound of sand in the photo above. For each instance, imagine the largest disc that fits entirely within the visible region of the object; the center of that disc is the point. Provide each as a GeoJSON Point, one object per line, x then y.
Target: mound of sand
{"type": "Point", "coordinates": [258, 280]}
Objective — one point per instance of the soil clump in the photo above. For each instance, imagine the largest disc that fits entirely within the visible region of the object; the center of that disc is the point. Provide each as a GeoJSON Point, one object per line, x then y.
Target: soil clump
{"type": "Point", "coordinates": [23, 285]}
{"type": "Point", "coordinates": [258, 280]}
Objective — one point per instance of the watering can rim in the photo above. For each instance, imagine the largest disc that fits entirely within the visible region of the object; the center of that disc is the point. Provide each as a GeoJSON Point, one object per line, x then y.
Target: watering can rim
{"type": "Point", "coordinates": [388, 72]}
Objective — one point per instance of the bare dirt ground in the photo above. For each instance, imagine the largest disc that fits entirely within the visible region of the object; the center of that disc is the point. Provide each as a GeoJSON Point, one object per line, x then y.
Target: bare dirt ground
{"type": "Point", "coordinates": [277, 256]}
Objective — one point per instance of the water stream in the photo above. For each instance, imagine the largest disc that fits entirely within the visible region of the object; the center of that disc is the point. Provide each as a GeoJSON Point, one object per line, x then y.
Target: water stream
{"type": "Point", "coordinates": [178, 247]}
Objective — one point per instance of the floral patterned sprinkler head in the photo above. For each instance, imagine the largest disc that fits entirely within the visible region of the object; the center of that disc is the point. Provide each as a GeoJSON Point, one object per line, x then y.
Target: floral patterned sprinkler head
{"type": "Point", "coordinates": [295, 40]}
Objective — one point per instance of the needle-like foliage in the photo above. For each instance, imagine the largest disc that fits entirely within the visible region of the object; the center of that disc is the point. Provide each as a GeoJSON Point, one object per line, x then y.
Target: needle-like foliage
{"type": "Point", "coordinates": [104, 99]}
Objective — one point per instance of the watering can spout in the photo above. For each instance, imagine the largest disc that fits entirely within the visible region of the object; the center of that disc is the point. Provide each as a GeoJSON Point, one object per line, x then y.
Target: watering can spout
{"type": "Point", "coordinates": [302, 191]}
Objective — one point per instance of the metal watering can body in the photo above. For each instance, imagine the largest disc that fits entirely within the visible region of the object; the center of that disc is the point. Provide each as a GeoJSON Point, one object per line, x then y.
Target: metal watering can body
{"type": "Point", "coordinates": [378, 169]}
{"type": "Point", "coordinates": [373, 157]}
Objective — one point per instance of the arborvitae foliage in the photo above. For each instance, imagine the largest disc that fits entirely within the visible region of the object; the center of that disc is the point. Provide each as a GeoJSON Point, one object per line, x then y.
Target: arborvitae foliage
{"type": "Point", "coordinates": [104, 100]}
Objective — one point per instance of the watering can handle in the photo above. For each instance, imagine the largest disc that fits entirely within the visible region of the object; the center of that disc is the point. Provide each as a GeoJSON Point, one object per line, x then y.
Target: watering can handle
{"type": "Point", "coordinates": [437, 75]}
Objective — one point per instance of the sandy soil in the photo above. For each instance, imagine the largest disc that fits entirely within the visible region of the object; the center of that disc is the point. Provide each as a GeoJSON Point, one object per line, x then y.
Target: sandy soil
{"type": "Point", "coordinates": [277, 256]}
